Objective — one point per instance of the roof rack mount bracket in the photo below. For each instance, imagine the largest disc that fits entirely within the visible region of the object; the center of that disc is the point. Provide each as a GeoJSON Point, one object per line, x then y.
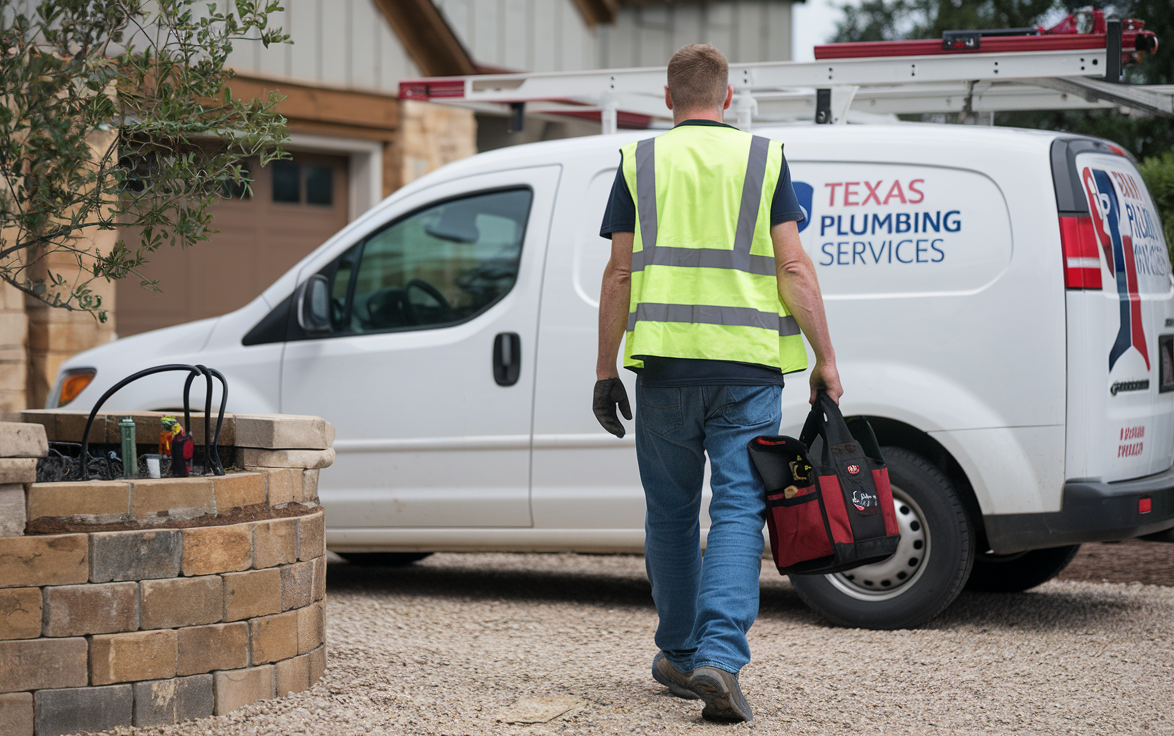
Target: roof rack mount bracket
{"type": "Point", "coordinates": [832, 104]}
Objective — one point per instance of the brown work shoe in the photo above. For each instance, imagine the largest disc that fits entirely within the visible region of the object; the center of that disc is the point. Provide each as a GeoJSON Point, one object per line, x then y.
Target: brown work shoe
{"type": "Point", "coordinates": [723, 698]}
{"type": "Point", "coordinates": [666, 674]}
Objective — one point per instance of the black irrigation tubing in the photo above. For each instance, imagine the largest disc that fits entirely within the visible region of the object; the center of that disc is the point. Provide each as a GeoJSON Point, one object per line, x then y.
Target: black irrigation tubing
{"type": "Point", "coordinates": [212, 459]}
{"type": "Point", "coordinates": [193, 371]}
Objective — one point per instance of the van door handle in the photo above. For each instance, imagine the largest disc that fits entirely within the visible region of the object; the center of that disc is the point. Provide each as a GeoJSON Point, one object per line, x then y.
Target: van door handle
{"type": "Point", "coordinates": [507, 358]}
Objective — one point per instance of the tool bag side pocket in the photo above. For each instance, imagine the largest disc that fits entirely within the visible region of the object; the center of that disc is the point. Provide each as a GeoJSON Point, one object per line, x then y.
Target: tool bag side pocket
{"type": "Point", "coordinates": [798, 529]}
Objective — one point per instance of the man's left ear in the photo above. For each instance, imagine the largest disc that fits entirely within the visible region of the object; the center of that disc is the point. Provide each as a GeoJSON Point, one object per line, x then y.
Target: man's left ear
{"type": "Point", "coordinates": [729, 97]}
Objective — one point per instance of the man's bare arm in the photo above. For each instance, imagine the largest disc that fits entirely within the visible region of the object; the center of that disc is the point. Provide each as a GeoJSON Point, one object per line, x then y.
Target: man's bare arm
{"type": "Point", "coordinates": [614, 298]}
{"type": "Point", "coordinates": [799, 290]}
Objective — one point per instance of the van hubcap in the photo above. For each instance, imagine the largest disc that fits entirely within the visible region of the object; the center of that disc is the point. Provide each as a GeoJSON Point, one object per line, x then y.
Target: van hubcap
{"type": "Point", "coordinates": [891, 577]}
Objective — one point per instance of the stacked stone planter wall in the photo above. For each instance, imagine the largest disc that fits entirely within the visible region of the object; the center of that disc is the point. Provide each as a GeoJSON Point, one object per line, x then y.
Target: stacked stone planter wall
{"type": "Point", "coordinates": [163, 600]}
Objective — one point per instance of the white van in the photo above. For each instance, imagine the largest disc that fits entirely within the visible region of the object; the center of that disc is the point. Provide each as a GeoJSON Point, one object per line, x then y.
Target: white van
{"type": "Point", "coordinates": [1000, 300]}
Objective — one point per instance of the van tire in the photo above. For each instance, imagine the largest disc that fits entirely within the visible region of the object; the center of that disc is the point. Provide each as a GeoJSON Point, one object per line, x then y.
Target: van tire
{"type": "Point", "coordinates": [929, 511]}
{"type": "Point", "coordinates": [383, 559]}
{"type": "Point", "coordinates": [1019, 572]}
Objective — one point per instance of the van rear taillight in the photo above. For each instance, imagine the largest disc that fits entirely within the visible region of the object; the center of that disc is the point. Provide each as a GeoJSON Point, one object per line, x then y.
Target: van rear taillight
{"type": "Point", "coordinates": [1082, 259]}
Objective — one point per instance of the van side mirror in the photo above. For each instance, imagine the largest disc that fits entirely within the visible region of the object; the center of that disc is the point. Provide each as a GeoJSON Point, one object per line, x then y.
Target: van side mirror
{"type": "Point", "coordinates": [314, 306]}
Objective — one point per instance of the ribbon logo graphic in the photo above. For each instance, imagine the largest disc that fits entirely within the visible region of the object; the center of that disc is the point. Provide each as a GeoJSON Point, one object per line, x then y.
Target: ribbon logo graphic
{"type": "Point", "coordinates": [1118, 247]}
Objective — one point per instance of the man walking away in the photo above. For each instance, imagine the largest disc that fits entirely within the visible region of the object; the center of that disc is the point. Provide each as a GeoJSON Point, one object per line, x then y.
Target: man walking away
{"type": "Point", "coordinates": [711, 287]}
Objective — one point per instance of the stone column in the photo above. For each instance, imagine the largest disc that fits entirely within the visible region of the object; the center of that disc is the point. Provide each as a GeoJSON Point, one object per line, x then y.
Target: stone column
{"type": "Point", "coordinates": [55, 334]}
{"type": "Point", "coordinates": [433, 135]}
{"type": "Point", "coordinates": [14, 328]}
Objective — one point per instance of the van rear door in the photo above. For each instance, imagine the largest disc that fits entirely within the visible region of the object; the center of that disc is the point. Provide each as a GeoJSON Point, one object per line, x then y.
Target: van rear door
{"type": "Point", "coordinates": [1120, 300]}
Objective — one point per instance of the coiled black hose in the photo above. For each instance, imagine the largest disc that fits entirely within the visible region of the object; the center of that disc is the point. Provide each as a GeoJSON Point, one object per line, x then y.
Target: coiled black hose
{"type": "Point", "coordinates": [211, 455]}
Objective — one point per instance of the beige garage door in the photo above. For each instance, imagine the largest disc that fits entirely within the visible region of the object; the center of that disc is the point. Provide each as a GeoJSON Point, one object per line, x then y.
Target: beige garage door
{"type": "Point", "coordinates": [296, 205]}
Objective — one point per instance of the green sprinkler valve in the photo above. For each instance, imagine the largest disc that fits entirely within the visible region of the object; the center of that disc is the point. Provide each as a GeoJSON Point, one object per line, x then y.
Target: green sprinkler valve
{"type": "Point", "coordinates": [130, 458]}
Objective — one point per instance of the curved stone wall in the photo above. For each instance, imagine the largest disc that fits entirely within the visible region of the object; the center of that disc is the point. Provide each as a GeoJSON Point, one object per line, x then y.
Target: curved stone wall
{"type": "Point", "coordinates": [193, 612]}
{"type": "Point", "coordinates": [158, 626]}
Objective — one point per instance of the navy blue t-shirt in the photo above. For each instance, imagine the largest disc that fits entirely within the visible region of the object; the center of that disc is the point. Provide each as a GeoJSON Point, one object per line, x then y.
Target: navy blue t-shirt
{"type": "Point", "coordinates": [620, 217]}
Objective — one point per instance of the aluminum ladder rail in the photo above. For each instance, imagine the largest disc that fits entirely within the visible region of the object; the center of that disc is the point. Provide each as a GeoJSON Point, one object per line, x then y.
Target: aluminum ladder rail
{"type": "Point", "coordinates": [1055, 79]}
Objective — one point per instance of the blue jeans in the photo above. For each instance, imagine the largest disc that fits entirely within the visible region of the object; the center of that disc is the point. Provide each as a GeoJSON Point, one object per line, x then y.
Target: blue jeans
{"type": "Point", "coordinates": [705, 606]}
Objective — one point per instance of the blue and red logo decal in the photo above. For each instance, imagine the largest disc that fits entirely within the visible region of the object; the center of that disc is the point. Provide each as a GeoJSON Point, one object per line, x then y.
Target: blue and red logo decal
{"type": "Point", "coordinates": [1105, 208]}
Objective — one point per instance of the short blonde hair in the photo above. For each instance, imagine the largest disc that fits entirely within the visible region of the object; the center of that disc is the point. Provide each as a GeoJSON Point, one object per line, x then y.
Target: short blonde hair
{"type": "Point", "coordinates": [698, 77]}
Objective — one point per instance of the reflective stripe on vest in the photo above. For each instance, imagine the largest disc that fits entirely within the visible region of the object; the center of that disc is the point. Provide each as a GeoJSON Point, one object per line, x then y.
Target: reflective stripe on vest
{"type": "Point", "coordinates": [689, 298]}
{"type": "Point", "coordinates": [738, 259]}
{"type": "Point", "coordinates": [699, 314]}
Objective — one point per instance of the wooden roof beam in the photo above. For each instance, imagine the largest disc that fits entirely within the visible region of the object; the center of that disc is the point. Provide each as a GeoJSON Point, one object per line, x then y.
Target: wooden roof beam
{"type": "Point", "coordinates": [428, 38]}
{"type": "Point", "coordinates": [598, 11]}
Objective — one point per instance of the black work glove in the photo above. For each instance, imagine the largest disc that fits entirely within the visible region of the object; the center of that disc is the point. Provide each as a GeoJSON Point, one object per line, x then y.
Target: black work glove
{"type": "Point", "coordinates": [608, 393]}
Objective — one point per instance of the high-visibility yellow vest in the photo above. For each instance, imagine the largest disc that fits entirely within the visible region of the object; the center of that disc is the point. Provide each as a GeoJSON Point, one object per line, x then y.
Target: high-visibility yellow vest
{"type": "Point", "coordinates": [703, 270]}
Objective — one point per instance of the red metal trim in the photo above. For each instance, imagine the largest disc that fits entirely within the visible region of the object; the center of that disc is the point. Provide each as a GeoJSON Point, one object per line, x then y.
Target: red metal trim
{"type": "Point", "coordinates": [990, 45]}
{"type": "Point", "coordinates": [430, 89]}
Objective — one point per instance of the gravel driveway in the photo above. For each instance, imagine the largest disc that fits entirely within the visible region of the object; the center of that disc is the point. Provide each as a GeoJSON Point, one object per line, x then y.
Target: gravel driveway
{"type": "Point", "coordinates": [452, 644]}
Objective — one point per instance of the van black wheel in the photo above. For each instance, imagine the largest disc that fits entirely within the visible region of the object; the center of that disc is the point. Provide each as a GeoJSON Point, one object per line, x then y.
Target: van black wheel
{"type": "Point", "coordinates": [383, 559]}
{"type": "Point", "coordinates": [927, 572]}
{"type": "Point", "coordinates": [1015, 573]}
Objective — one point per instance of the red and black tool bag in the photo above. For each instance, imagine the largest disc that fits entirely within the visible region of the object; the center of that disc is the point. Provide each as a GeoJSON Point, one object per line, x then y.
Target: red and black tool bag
{"type": "Point", "coordinates": [836, 515]}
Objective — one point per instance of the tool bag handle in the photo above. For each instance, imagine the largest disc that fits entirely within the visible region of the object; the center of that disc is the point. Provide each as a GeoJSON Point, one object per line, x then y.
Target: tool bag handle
{"type": "Point", "coordinates": [826, 421]}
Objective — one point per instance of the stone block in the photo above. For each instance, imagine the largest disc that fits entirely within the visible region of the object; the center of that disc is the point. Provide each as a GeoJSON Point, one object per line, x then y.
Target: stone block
{"type": "Point", "coordinates": [145, 555]}
{"type": "Point", "coordinates": [97, 500]}
{"type": "Point", "coordinates": [292, 675]}
{"type": "Point", "coordinates": [20, 613]}
{"type": "Point", "coordinates": [18, 470]}
{"type": "Point", "coordinates": [274, 637]}
{"type": "Point", "coordinates": [142, 655]}
{"type": "Point", "coordinates": [311, 459]}
{"type": "Point", "coordinates": [169, 604]}
{"type": "Point", "coordinates": [312, 535]}
{"type": "Point", "coordinates": [148, 427]}
{"type": "Point", "coordinates": [34, 664]}
{"type": "Point", "coordinates": [57, 559]}
{"type": "Point", "coordinates": [12, 510]}
{"type": "Point", "coordinates": [251, 594]}
{"type": "Point", "coordinates": [20, 439]}
{"type": "Point", "coordinates": [177, 498]}
{"type": "Point", "coordinates": [217, 647]}
{"type": "Point", "coordinates": [80, 610]}
{"type": "Point", "coordinates": [227, 428]}
{"type": "Point", "coordinates": [237, 688]}
{"type": "Point", "coordinates": [89, 709]}
{"type": "Point", "coordinates": [317, 664]}
{"type": "Point", "coordinates": [47, 419]}
{"type": "Point", "coordinates": [275, 542]}
{"type": "Point", "coordinates": [283, 431]}
{"type": "Point", "coordinates": [311, 627]}
{"type": "Point", "coordinates": [213, 549]}
{"type": "Point", "coordinates": [71, 424]}
{"type": "Point", "coordinates": [149, 424]}
{"type": "Point", "coordinates": [285, 485]}
{"type": "Point", "coordinates": [237, 490]}
{"type": "Point", "coordinates": [320, 578]}
{"type": "Point", "coordinates": [164, 702]}
{"type": "Point", "coordinates": [310, 486]}
{"type": "Point", "coordinates": [16, 714]}
{"type": "Point", "coordinates": [297, 585]}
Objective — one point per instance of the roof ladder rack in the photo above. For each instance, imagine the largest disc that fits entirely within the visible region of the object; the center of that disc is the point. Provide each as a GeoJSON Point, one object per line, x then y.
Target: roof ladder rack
{"type": "Point", "coordinates": [1074, 65]}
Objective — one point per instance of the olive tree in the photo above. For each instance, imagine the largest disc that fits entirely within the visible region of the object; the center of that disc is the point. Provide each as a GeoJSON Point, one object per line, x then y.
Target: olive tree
{"type": "Point", "coordinates": [116, 114]}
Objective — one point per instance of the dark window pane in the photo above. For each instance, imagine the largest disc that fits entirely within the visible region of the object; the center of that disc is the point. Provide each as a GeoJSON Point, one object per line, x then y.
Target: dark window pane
{"type": "Point", "coordinates": [441, 265]}
{"type": "Point", "coordinates": [287, 181]}
{"type": "Point", "coordinates": [319, 185]}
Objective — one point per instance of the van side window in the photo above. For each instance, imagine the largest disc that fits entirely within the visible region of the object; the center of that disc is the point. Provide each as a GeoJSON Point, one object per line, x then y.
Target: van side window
{"type": "Point", "coordinates": [441, 265]}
